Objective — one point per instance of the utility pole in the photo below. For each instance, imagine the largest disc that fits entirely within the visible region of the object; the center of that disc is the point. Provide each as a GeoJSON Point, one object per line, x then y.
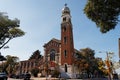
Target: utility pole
{"type": "Point", "coordinates": [109, 66]}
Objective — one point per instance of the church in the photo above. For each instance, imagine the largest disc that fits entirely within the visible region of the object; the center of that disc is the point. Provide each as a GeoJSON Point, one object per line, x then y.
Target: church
{"type": "Point", "coordinates": [60, 54]}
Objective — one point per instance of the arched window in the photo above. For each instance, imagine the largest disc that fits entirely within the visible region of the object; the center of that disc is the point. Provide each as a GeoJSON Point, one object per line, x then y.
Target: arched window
{"type": "Point", "coordinates": [65, 40]}
{"type": "Point", "coordinates": [64, 19]}
{"type": "Point", "coordinates": [65, 53]}
{"type": "Point", "coordinates": [52, 55]}
{"type": "Point", "coordinates": [65, 67]}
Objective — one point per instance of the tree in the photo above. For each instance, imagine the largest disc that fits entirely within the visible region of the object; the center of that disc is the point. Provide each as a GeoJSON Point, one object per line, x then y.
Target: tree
{"type": "Point", "coordinates": [2, 58]}
{"type": "Point", "coordinates": [9, 29]}
{"type": "Point", "coordinates": [56, 73]}
{"type": "Point", "coordinates": [11, 63]}
{"type": "Point", "coordinates": [36, 55]}
{"type": "Point", "coordinates": [101, 67]}
{"type": "Point", "coordinates": [89, 58]}
{"type": "Point", "coordinates": [104, 13]}
{"type": "Point", "coordinates": [35, 71]}
{"type": "Point", "coordinates": [86, 62]}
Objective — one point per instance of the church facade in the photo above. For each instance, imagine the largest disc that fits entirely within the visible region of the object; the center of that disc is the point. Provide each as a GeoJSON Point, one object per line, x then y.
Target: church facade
{"type": "Point", "coordinates": [60, 54]}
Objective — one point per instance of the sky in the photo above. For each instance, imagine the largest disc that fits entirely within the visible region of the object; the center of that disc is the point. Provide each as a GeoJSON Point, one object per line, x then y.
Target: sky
{"type": "Point", "coordinates": [41, 21]}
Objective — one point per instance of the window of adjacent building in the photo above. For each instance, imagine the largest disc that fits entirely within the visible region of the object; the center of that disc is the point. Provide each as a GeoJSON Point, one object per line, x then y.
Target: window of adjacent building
{"type": "Point", "coordinates": [65, 67]}
{"type": "Point", "coordinates": [65, 53]}
{"type": "Point", "coordinates": [24, 65]}
{"type": "Point", "coordinates": [31, 64]}
{"type": "Point", "coordinates": [28, 64]}
{"type": "Point", "coordinates": [52, 55]}
{"type": "Point", "coordinates": [65, 40]}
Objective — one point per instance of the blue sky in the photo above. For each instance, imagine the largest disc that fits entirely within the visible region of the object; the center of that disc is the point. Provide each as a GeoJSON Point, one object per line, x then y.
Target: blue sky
{"type": "Point", "coordinates": [41, 20]}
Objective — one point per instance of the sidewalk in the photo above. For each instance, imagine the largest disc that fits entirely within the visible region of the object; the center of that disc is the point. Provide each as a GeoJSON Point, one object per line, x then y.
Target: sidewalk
{"type": "Point", "coordinates": [45, 79]}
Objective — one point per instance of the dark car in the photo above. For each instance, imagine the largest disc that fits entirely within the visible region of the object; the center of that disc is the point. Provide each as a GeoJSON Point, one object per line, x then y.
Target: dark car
{"type": "Point", "coordinates": [115, 76]}
{"type": "Point", "coordinates": [3, 76]}
{"type": "Point", "coordinates": [12, 76]}
{"type": "Point", "coordinates": [27, 76]}
{"type": "Point", "coordinates": [19, 76]}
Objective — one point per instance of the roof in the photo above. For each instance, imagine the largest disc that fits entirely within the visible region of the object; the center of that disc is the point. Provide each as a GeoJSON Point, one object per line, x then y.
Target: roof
{"type": "Point", "coordinates": [65, 9]}
{"type": "Point", "coordinates": [53, 39]}
{"type": "Point", "coordinates": [56, 40]}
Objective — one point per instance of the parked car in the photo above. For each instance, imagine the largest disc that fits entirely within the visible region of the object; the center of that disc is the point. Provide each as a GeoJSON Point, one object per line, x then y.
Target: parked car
{"type": "Point", "coordinates": [27, 76]}
{"type": "Point", "coordinates": [115, 76]}
{"type": "Point", "coordinates": [12, 76]}
{"type": "Point", "coordinates": [19, 76]}
{"type": "Point", "coordinates": [3, 76]}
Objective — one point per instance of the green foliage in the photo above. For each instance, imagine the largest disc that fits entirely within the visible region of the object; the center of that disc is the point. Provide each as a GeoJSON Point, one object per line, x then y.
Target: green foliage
{"type": "Point", "coordinates": [36, 55]}
{"type": "Point", "coordinates": [8, 29]}
{"type": "Point", "coordinates": [10, 64]}
{"type": "Point", "coordinates": [87, 62]}
{"type": "Point", "coordinates": [35, 71]}
{"type": "Point", "coordinates": [2, 58]}
{"type": "Point", "coordinates": [104, 13]}
{"type": "Point", "coordinates": [87, 52]}
{"type": "Point", "coordinates": [56, 73]}
{"type": "Point", "coordinates": [101, 66]}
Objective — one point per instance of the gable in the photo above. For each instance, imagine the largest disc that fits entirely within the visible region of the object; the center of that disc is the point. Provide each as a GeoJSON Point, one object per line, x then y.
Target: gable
{"type": "Point", "coordinates": [53, 42]}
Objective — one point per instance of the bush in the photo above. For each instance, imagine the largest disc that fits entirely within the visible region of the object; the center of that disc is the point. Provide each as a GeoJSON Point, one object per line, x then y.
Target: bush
{"type": "Point", "coordinates": [34, 72]}
{"type": "Point", "coordinates": [56, 73]}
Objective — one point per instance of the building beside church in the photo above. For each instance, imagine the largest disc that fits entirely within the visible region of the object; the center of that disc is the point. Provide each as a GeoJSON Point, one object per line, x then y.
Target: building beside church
{"type": "Point", "coordinates": [60, 54]}
{"type": "Point", "coordinates": [35, 61]}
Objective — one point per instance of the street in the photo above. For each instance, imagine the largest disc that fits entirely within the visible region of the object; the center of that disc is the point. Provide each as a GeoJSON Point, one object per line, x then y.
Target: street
{"type": "Point", "coordinates": [61, 79]}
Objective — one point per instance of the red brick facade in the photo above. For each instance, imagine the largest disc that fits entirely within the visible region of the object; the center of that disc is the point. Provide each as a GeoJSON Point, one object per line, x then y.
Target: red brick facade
{"type": "Point", "coordinates": [52, 47]}
{"type": "Point", "coordinates": [67, 46]}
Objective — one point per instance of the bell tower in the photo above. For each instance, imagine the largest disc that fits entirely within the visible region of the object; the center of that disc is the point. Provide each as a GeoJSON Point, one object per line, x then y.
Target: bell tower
{"type": "Point", "coordinates": [67, 45]}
